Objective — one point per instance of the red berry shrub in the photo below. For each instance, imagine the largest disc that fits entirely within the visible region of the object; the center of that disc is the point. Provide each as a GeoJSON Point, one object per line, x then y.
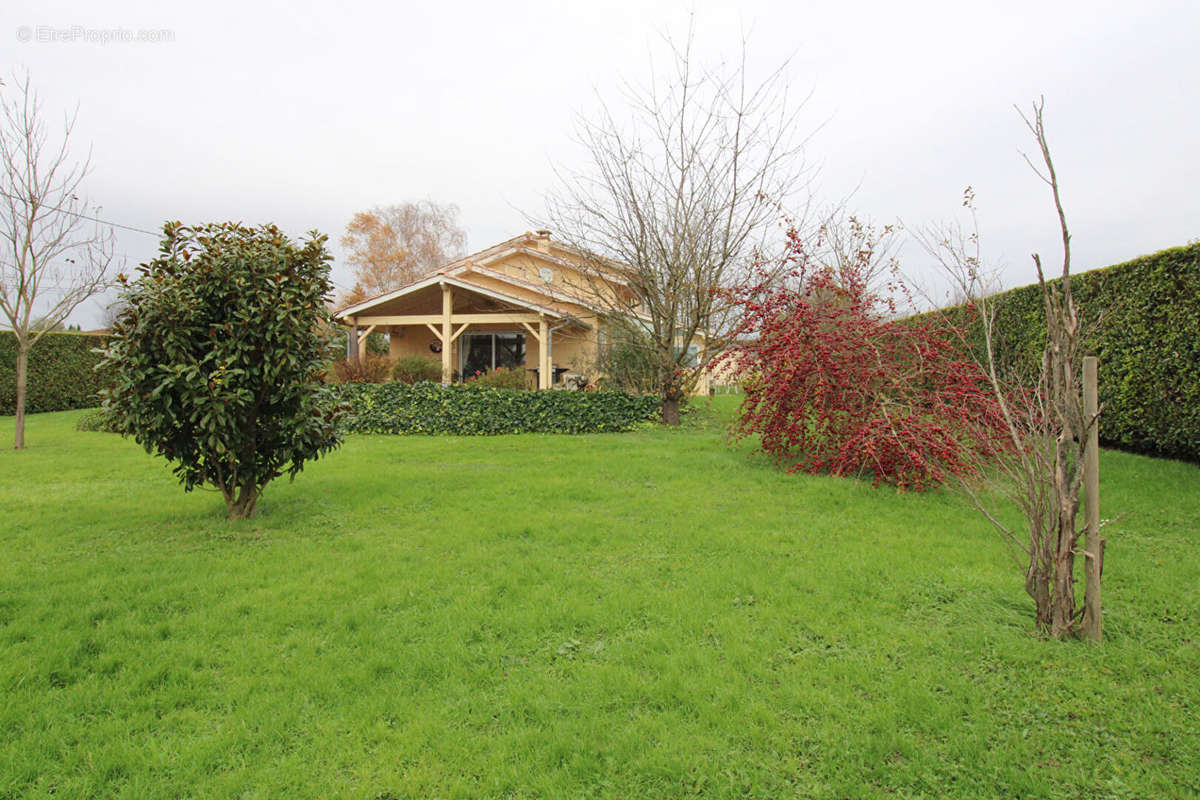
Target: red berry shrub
{"type": "Point", "coordinates": [836, 384]}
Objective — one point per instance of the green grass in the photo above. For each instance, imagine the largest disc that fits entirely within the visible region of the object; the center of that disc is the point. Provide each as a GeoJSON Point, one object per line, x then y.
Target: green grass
{"type": "Point", "coordinates": [653, 614]}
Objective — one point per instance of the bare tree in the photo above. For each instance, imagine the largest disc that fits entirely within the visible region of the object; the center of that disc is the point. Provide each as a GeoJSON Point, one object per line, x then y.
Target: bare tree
{"type": "Point", "coordinates": [1040, 468]}
{"type": "Point", "coordinates": [677, 202]}
{"type": "Point", "coordinates": [56, 254]}
{"type": "Point", "coordinates": [389, 246]}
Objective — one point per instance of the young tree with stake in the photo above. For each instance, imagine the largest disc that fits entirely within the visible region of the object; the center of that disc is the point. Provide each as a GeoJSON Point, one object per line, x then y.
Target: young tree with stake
{"type": "Point", "coordinates": [1047, 423]}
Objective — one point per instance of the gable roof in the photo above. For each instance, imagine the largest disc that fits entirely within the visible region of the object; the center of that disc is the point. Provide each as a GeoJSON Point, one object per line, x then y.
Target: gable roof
{"type": "Point", "coordinates": [520, 244]}
{"type": "Point", "coordinates": [437, 279]}
{"type": "Point", "coordinates": [479, 261]}
{"type": "Point", "coordinates": [503, 277]}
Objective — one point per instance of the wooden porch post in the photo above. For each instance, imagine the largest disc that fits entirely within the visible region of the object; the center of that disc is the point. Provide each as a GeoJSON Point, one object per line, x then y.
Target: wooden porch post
{"type": "Point", "coordinates": [447, 338]}
{"type": "Point", "coordinates": [545, 376]}
{"type": "Point", "coordinates": [362, 340]}
{"type": "Point", "coordinates": [352, 341]}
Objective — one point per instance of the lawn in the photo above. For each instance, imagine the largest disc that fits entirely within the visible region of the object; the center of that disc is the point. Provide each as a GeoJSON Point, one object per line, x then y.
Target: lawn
{"type": "Point", "coordinates": [653, 614]}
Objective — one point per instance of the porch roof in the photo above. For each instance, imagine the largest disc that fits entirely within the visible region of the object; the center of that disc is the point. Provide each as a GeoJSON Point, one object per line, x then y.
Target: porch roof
{"type": "Point", "coordinates": [365, 308]}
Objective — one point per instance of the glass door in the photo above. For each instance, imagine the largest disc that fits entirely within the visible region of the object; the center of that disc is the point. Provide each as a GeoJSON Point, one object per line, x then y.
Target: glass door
{"type": "Point", "coordinates": [476, 354]}
{"type": "Point", "coordinates": [510, 351]}
{"type": "Point", "coordinates": [482, 352]}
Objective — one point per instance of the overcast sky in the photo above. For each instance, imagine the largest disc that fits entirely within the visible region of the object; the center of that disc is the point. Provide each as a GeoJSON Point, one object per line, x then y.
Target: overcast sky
{"type": "Point", "coordinates": [304, 114]}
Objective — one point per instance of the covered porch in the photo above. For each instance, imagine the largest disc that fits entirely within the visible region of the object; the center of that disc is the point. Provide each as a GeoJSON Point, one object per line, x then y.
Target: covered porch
{"type": "Point", "coordinates": [472, 329]}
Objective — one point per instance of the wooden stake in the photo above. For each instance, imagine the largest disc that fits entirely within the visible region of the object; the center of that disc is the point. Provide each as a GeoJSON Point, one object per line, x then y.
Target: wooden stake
{"type": "Point", "coordinates": [1094, 547]}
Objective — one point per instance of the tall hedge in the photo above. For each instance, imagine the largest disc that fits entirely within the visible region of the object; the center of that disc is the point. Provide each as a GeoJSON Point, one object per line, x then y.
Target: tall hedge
{"type": "Point", "coordinates": [1144, 317]}
{"type": "Point", "coordinates": [61, 372]}
{"type": "Point", "coordinates": [429, 408]}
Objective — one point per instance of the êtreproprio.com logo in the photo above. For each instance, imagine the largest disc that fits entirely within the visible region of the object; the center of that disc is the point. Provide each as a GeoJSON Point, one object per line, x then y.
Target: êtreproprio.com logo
{"type": "Point", "coordinates": [83, 34]}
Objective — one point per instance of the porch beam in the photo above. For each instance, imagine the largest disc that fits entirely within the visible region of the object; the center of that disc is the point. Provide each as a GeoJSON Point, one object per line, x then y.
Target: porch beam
{"type": "Point", "coordinates": [532, 331]}
{"type": "Point", "coordinates": [437, 319]}
{"type": "Point", "coordinates": [362, 337]}
{"type": "Point", "coordinates": [436, 331]}
{"type": "Point", "coordinates": [458, 332]}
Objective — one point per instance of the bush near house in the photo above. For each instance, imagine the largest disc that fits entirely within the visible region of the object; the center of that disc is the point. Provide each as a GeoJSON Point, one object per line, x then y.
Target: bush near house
{"type": "Point", "coordinates": [414, 369]}
{"type": "Point", "coordinates": [1145, 316]}
{"type": "Point", "coordinates": [62, 373]}
{"type": "Point", "coordinates": [369, 369]}
{"type": "Point", "coordinates": [502, 378]}
{"type": "Point", "coordinates": [429, 408]}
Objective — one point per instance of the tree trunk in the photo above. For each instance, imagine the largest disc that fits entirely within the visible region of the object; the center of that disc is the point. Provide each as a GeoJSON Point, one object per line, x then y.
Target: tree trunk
{"type": "Point", "coordinates": [670, 411]}
{"type": "Point", "coordinates": [1063, 592]}
{"type": "Point", "coordinates": [22, 381]}
{"type": "Point", "coordinates": [245, 505]}
{"type": "Point", "coordinates": [1050, 578]}
{"type": "Point", "coordinates": [1038, 583]}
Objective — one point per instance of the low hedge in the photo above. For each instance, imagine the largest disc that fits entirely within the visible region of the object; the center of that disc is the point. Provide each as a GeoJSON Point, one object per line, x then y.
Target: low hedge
{"type": "Point", "coordinates": [1144, 318]}
{"type": "Point", "coordinates": [430, 408]}
{"type": "Point", "coordinates": [62, 372]}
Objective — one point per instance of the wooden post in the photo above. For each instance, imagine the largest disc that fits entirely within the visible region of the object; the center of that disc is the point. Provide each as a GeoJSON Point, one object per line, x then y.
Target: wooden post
{"type": "Point", "coordinates": [1094, 547]}
{"type": "Point", "coordinates": [447, 333]}
{"type": "Point", "coordinates": [352, 342]}
{"type": "Point", "coordinates": [545, 376]}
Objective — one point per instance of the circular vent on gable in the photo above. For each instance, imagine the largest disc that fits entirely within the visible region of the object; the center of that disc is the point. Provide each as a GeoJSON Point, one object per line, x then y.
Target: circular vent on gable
{"type": "Point", "coordinates": [546, 274]}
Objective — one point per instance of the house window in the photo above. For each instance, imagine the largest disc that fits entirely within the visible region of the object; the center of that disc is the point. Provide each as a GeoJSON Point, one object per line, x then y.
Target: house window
{"type": "Point", "coordinates": [482, 352]}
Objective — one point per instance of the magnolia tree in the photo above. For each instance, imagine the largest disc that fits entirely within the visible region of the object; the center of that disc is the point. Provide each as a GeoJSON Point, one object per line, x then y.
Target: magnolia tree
{"type": "Point", "coordinates": [835, 383]}
{"type": "Point", "coordinates": [218, 356]}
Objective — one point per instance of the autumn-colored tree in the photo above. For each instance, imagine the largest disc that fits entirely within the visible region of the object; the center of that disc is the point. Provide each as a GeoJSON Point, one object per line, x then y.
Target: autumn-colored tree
{"type": "Point", "coordinates": [389, 246]}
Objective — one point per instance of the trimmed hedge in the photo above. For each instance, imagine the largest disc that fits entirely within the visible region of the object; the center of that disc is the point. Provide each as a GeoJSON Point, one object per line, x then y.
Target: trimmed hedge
{"type": "Point", "coordinates": [430, 408]}
{"type": "Point", "coordinates": [1147, 340]}
{"type": "Point", "coordinates": [61, 372]}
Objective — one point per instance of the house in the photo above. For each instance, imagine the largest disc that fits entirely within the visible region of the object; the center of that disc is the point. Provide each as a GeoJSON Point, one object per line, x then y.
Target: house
{"type": "Point", "coordinates": [530, 302]}
{"type": "Point", "coordinates": [526, 303]}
